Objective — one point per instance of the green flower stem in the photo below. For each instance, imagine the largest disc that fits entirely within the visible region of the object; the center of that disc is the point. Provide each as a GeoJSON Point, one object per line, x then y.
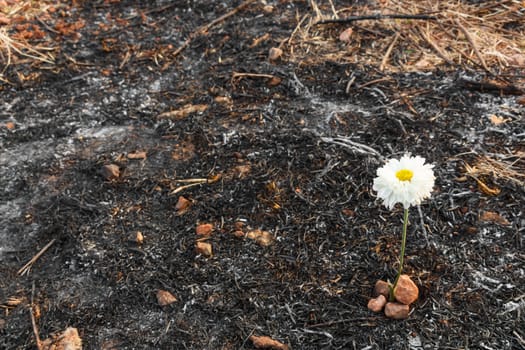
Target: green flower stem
{"type": "Point", "coordinates": [402, 254]}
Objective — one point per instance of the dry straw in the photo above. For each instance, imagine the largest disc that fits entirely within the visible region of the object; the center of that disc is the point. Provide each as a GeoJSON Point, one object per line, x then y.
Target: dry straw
{"type": "Point", "coordinates": [13, 48]}
{"type": "Point", "coordinates": [486, 35]}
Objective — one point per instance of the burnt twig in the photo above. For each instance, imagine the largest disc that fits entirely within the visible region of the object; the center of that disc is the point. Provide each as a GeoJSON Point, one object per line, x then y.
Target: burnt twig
{"type": "Point", "coordinates": [351, 19]}
{"type": "Point", "coordinates": [30, 263]}
{"type": "Point", "coordinates": [33, 320]}
{"type": "Point", "coordinates": [354, 146]}
{"type": "Point", "coordinates": [491, 86]}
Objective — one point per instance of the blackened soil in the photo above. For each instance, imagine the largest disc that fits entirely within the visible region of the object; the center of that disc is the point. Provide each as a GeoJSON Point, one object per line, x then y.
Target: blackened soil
{"type": "Point", "coordinates": [269, 151]}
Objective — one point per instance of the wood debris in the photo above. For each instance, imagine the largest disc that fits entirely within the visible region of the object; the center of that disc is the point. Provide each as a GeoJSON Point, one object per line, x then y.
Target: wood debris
{"type": "Point", "coordinates": [184, 111]}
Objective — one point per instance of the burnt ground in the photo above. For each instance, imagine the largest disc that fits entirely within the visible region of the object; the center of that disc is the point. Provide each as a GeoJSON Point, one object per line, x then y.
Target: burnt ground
{"type": "Point", "coordinates": [278, 156]}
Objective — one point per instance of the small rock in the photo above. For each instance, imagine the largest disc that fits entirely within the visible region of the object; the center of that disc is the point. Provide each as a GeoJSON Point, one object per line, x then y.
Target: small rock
{"type": "Point", "coordinates": [406, 291]}
{"type": "Point", "coordinates": [182, 204]}
{"type": "Point", "coordinates": [382, 288]}
{"type": "Point", "coordinates": [110, 172]}
{"type": "Point", "coordinates": [67, 340]}
{"type": "Point", "coordinates": [239, 225]}
{"type": "Point", "coordinates": [346, 35]}
{"type": "Point", "coordinates": [268, 9]}
{"type": "Point", "coordinates": [377, 304]}
{"type": "Point", "coordinates": [275, 53]}
{"type": "Point", "coordinates": [521, 100]}
{"type": "Point", "coordinates": [165, 298]}
{"type": "Point", "coordinates": [264, 342]}
{"type": "Point", "coordinates": [204, 229]}
{"type": "Point", "coordinates": [238, 234]}
{"type": "Point", "coordinates": [139, 238]}
{"type": "Point", "coordinates": [396, 311]}
{"type": "Point", "coordinates": [263, 238]}
{"type": "Point", "coordinates": [204, 248]}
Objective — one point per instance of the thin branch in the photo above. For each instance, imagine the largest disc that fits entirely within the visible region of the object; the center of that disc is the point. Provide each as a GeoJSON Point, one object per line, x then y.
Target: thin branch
{"type": "Point", "coordinates": [33, 320]}
{"type": "Point", "coordinates": [354, 146]}
{"type": "Point", "coordinates": [473, 44]}
{"type": "Point", "coordinates": [388, 52]}
{"type": "Point", "coordinates": [436, 48]}
{"type": "Point", "coordinates": [30, 263]}
{"type": "Point", "coordinates": [351, 19]}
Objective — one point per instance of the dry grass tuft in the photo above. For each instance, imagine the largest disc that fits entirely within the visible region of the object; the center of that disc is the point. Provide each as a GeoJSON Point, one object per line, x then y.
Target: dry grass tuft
{"type": "Point", "coordinates": [487, 35]}
{"type": "Point", "coordinates": [15, 47]}
{"type": "Point", "coordinates": [499, 169]}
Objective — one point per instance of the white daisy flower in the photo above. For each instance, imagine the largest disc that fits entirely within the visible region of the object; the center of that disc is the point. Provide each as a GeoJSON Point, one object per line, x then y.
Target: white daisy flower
{"type": "Point", "coordinates": [407, 181]}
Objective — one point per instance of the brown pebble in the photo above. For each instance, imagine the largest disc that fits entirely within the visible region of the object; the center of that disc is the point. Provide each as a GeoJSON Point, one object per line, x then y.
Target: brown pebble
{"type": "Point", "coordinates": [204, 248]}
{"type": "Point", "coordinates": [406, 291]}
{"type": "Point", "coordinates": [263, 238]}
{"type": "Point", "coordinates": [165, 298]}
{"type": "Point", "coordinates": [275, 53]}
{"type": "Point", "coordinates": [182, 204]}
{"type": "Point", "coordinates": [521, 100]}
{"type": "Point", "coordinates": [264, 342]}
{"type": "Point", "coordinates": [110, 172]}
{"type": "Point", "coordinates": [204, 229]}
{"type": "Point", "coordinates": [238, 234]}
{"type": "Point", "coordinates": [382, 288]}
{"type": "Point", "coordinates": [396, 311]}
{"type": "Point", "coordinates": [346, 35]}
{"type": "Point", "coordinates": [377, 304]}
{"type": "Point", "coordinates": [268, 9]}
{"type": "Point", "coordinates": [239, 225]}
{"type": "Point", "coordinates": [139, 238]}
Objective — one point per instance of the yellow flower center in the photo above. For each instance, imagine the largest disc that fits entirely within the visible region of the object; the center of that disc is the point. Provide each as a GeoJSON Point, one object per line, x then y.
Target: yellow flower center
{"type": "Point", "coordinates": [404, 175]}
